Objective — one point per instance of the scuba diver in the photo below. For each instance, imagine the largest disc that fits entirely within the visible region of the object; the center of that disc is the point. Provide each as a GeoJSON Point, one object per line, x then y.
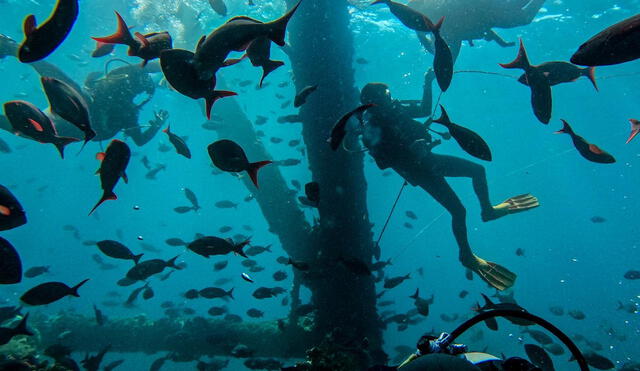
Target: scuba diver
{"type": "Point", "coordinates": [395, 140]}
{"type": "Point", "coordinates": [110, 98]}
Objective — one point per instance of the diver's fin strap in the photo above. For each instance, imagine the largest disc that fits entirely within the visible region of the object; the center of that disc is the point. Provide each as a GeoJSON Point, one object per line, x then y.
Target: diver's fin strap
{"type": "Point", "coordinates": [441, 345]}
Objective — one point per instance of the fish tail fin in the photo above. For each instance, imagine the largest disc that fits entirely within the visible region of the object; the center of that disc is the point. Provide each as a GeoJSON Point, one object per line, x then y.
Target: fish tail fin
{"type": "Point", "coordinates": [87, 138]}
{"type": "Point", "coordinates": [121, 36]}
{"type": "Point", "coordinates": [435, 28]}
{"type": "Point", "coordinates": [416, 295]}
{"type": "Point", "coordinates": [566, 129]}
{"type": "Point", "coordinates": [635, 129]}
{"type": "Point", "coordinates": [521, 61]}
{"type": "Point", "coordinates": [105, 196]}
{"type": "Point", "coordinates": [172, 263]}
{"type": "Point", "coordinates": [29, 25]}
{"type": "Point", "coordinates": [591, 75]}
{"type": "Point", "coordinates": [279, 26]}
{"type": "Point", "coordinates": [230, 293]}
{"type": "Point", "coordinates": [269, 67]}
{"type": "Point", "coordinates": [136, 258]}
{"type": "Point", "coordinates": [253, 170]}
{"type": "Point", "coordinates": [238, 248]}
{"type": "Point", "coordinates": [21, 328]}
{"type": "Point", "coordinates": [167, 129]}
{"type": "Point", "coordinates": [214, 96]}
{"type": "Point", "coordinates": [444, 117]}
{"type": "Point", "coordinates": [74, 290]}
{"type": "Point", "coordinates": [268, 248]}
{"type": "Point", "coordinates": [62, 142]}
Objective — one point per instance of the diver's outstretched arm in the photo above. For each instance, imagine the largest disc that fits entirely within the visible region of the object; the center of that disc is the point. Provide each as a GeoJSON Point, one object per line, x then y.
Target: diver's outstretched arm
{"type": "Point", "coordinates": [140, 138]}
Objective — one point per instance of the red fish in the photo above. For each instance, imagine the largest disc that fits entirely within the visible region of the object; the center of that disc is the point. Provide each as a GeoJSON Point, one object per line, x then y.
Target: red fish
{"type": "Point", "coordinates": [589, 151]}
{"type": "Point", "coordinates": [619, 43]}
{"type": "Point", "coordinates": [26, 119]}
{"type": "Point", "coordinates": [635, 129]}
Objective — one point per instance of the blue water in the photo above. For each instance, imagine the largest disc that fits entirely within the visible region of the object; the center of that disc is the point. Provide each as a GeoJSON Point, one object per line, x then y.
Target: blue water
{"type": "Point", "coordinates": [569, 261]}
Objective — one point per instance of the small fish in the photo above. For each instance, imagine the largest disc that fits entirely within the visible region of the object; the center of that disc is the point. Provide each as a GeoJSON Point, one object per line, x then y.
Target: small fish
{"type": "Point", "coordinates": [289, 119]}
{"type": "Point", "coordinates": [220, 265]}
{"type": "Point", "coordinates": [280, 276]}
{"type": "Point", "coordinates": [301, 97]}
{"type": "Point", "coordinates": [589, 151]}
{"type": "Point", "coordinates": [411, 215]}
{"type": "Point", "coordinates": [519, 251]}
{"type": "Point", "coordinates": [211, 245]}
{"type": "Point", "coordinates": [246, 277]}
{"type": "Point", "coordinates": [41, 41]}
{"type": "Point", "coordinates": [597, 219]}
{"type": "Point", "coordinates": [596, 360]}
{"type": "Point", "coordinates": [113, 165]}
{"type": "Point", "coordinates": [178, 143]}
{"type": "Point", "coordinates": [148, 293]}
{"type": "Point", "coordinates": [100, 317]}
{"type": "Point", "coordinates": [631, 308]}
{"type": "Point", "coordinates": [12, 214]}
{"type": "Point", "coordinates": [616, 44]}
{"type": "Point", "coordinates": [228, 156]}
{"type": "Point", "coordinates": [47, 293]}
{"type": "Point", "coordinates": [294, 142]}
{"type": "Point", "coordinates": [463, 294]}
{"type": "Point", "coordinates": [254, 313]}
{"type": "Point", "coordinates": [217, 311]}
{"type": "Point", "coordinates": [635, 129]}
{"type": "Point", "coordinates": [175, 242]}
{"type": "Point", "coordinates": [422, 305]}
{"type": "Point", "coordinates": [148, 268]}
{"type": "Point", "coordinates": [117, 250]}
{"type": "Point", "coordinates": [215, 292]}
{"type": "Point", "coordinates": [361, 60]}
{"type": "Point", "coordinates": [36, 271]}
{"type": "Point", "coordinates": [539, 336]}
{"type": "Point", "coordinates": [632, 275]}
{"type": "Point", "coordinates": [225, 229]}
{"type": "Point", "coordinates": [539, 357]}
{"type": "Point", "coordinates": [226, 204]}
{"type": "Point", "coordinates": [469, 141]}
{"type": "Point", "coordinates": [390, 283]}
{"type": "Point", "coordinates": [339, 131]}
{"type": "Point", "coordinates": [153, 172]}
{"type": "Point", "coordinates": [183, 209]}
{"type": "Point", "coordinates": [541, 99]}
{"type": "Point", "coordinates": [10, 263]}
{"type": "Point", "coordinates": [577, 314]}
{"type": "Point", "coordinates": [255, 250]}
{"type": "Point", "coordinates": [556, 310]}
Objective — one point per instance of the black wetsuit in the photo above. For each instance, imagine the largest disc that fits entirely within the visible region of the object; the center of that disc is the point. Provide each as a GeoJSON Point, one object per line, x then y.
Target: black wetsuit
{"type": "Point", "coordinates": [395, 140]}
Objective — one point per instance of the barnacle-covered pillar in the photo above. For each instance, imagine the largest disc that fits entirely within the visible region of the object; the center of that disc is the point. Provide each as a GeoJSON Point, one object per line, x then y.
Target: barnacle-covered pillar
{"type": "Point", "coordinates": [321, 52]}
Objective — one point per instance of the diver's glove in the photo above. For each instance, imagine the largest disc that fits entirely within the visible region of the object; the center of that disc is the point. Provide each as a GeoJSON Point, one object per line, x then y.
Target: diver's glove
{"type": "Point", "coordinates": [432, 345]}
{"type": "Point", "coordinates": [159, 118]}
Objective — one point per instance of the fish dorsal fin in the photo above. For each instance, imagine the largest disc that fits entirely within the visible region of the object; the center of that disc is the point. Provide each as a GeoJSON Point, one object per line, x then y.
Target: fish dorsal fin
{"type": "Point", "coordinates": [142, 39]}
{"type": "Point", "coordinates": [35, 125]}
{"type": "Point", "coordinates": [125, 177]}
{"type": "Point", "coordinates": [243, 18]}
{"type": "Point", "coordinates": [200, 42]}
{"type": "Point", "coordinates": [100, 156]}
{"type": "Point", "coordinates": [29, 25]}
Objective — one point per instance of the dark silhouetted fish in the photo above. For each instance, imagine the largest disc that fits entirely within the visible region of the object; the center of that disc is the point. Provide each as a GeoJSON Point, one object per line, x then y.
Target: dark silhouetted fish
{"type": "Point", "coordinates": [49, 292]}
{"type": "Point", "coordinates": [632, 275]}
{"type": "Point", "coordinates": [539, 336]}
{"type": "Point", "coordinates": [179, 143]}
{"type": "Point", "coordinates": [339, 129]}
{"type": "Point", "coordinates": [234, 35]}
{"type": "Point", "coordinates": [227, 155]}
{"type": "Point", "coordinates": [100, 317]}
{"type": "Point", "coordinates": [541, 99]}
{"type": "Point", "coordinates": [289, 119]}
{"type": "Point", "coordinates": [312, 195]}
{"type": "Point", "coordinates": [210, 245]}
{"type": "Point", "coordinates": [259, 53]}
{"type": "Point", "coordinates": [597, 219]}
{"type": "Point", "coordinates": [117, 250]}
{"type": "Point", "coordinates": [11, 213]}
{"type": "Point", "coordinates": [539, 357]}
{"type": "Point", "coordinates": [40, 41]}
{"type": "Point", "coordinates": [112, 167]}
{"type": "Point", "coordinates": [577, 314]}
{"type": "Point", "coordinates": [422, 305]}
{"type": "Point", "coordinates": [69, 104]}
{"type": "Point", "coordinates": [596, 360]}
{"type": "Point", "coordinates": [226, 204]}
{"type": "Point", "coordinates": [489, 305]}
{"type": "Point", "coordinates": [301, 98]}
{"type": "Point", "coordinates": [92, 363]}
{"type": "Point", "coordinates": [215, 292]}
{"type": "Point", "coordinates": [175, 242]}
{"type": "Point", "coordinates": [280, 276]}
{"type": "Point", "coordinates": [619, 43]}
{"type": "Point", "coordinates": [148, 268]}
{"type": "Point", "coordinates": [10, 263]}
{"type": "Point", "coordinates": [36, 271]}
{"type": "Point", "coordinates": [147, 47]}
{"type": "Point", "coordinates": [192, 198]}
{"type": "Point", "coordinates": [468, 140]}
{"type": "Point", "coordinates": [179, 72]}
{"type": "Point", "coordinates": [390, 283]}
{"type": "Point", "coordinates": [6, 334]}
{"type": "Point", "coordinates": [563, 72]}
{"type": "Point", "coordinates": [220, 265]}
{"type": "Point", "coordinates": [589, 151]}
{"type": "Point", "coordinates": [26, 119]}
